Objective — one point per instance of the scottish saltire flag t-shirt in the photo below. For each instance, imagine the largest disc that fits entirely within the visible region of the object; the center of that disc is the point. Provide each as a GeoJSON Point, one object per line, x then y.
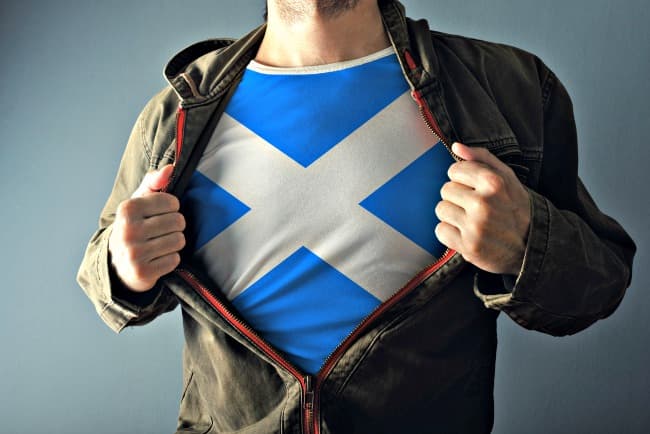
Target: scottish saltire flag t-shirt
{"type": "Point", "coordinates": [314, 200]}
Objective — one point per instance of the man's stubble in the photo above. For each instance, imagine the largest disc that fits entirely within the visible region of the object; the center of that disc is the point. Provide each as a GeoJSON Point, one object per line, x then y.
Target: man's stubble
{"type": "Point", "coordinates": [296, 10]}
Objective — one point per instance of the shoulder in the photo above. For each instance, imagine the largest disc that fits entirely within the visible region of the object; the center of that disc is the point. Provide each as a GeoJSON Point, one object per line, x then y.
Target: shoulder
{"type": "Point", "coordinates": [490, 54]}
{"type": "Point", "coordinates": [155, 127]}
{"type": "Point", "coordinates": [493, 63]}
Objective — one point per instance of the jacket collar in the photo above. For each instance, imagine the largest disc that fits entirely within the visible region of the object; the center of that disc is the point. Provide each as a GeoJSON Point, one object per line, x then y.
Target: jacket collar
{"type": "Point", "coordinates": [204, 71]}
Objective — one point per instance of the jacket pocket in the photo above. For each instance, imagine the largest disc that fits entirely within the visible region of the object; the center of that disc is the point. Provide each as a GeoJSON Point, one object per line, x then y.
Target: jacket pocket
{"type": "Point", "coordinates": [192, 418]}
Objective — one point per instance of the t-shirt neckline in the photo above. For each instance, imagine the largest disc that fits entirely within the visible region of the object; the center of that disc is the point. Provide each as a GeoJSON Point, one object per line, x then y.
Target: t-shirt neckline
{"type": "Point", "coordinates": [319, 69]}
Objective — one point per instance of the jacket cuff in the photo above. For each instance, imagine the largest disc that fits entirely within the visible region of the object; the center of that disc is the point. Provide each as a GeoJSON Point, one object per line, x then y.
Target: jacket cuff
{"type": "Point", "coordinates": [121, 305]}
{"type": "Point", "coordinates": [497, 291]}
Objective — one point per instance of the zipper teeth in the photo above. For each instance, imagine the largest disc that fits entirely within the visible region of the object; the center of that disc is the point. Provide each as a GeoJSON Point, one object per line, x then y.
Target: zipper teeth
{"type": "Point", "coordinates": [429, 120]}
{"type": "Point", "coordinates": [232, 318]}
{"type": "Point", "coordinates": [180, 130]}
{"type": "Point", "coordinates": [431, 123]}
{"type": "Point", "coordinates": [310, 408]}
{"type": "Point", "coordinates": [312, 402]}
{"type": "Point", "coordinates": [180, 134]}
{"type": "Point", "coordinates": [338, 351]}
{"type": "Point", "coordinates": [256, 340]}
{"type": "Point", "coordinates": [420, 277]}
{"type": "Point", "coordinates": [327, 366]}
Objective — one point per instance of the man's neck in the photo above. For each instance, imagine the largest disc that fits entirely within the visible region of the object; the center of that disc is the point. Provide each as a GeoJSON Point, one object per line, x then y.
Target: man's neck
{"type": "Point", "coordinates": [310, 38]}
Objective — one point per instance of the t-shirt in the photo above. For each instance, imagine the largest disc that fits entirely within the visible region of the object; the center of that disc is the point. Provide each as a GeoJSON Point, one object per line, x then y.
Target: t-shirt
{"type": "Point", "coordinates": [314, 200]}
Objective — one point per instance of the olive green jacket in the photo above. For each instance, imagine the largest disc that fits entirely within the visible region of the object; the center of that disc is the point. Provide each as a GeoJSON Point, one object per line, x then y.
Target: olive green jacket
{"type": "Point", "coordinates": [423, 362]}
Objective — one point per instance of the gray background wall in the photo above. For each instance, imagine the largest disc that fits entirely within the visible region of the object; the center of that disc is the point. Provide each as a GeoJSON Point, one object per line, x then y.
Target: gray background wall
{"type": "Point", "coordinates": [75, 74]}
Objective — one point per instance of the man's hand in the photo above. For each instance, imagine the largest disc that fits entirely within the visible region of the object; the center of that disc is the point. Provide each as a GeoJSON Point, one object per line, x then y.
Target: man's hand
{"type": "Point", "coordinates": [147, 233]}
{"type": "Point", "coordinates": [485, 212]}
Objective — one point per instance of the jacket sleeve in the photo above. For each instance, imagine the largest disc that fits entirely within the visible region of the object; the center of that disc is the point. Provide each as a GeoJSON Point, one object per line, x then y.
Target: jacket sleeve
{"type": "Point", "coordinates": [117, 306]}
{"type": "Point", "coordinates": [578, 261]}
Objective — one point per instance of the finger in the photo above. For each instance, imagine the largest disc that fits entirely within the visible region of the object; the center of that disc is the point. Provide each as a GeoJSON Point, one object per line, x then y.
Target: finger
{"type": "Point", "coordinates": [448, 212]}
{"type": "Point", "coordinates": [154, 181]}
{"type": "Point", "coordinates": [480, 155]}
{"type": "Point", "coordinates": [163, 224]}
{"type": "Point", "coordinates": [148, 206]}
{"type": "Point", "coordinates": [457, 193]}
{"type": "Point", "coordinates": [449, 235]}
{"type": "Point", "coordinates": [163, 246]}
{"type": "Point", "coordinates": [476, 175]}
{"type": "Point", "coordinates": [163, 264]}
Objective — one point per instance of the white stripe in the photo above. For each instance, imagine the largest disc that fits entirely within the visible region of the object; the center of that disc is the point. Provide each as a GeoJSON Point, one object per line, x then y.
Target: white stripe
{"type": "Point", "coordinates": [319, 69]}
{"type": "Point", "coordinates": [316, 207]}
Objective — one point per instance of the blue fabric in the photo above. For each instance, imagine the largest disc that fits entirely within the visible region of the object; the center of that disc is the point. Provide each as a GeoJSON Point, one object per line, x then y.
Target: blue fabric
{"type": "Point", "coordinates": [289, 305]}
{"type": "Point", "coordinates": [305, 306]}
{"type": "Point", "coordinates": [332, 105]}
{"type": "Point", "coordinates": [210, 208]}
{"type": "Point", "coordinates": [414, 218]}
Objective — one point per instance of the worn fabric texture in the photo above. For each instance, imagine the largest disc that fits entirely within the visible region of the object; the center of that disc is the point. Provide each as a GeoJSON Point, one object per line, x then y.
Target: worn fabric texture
{"type": "Point", "coordinates": [423, 362]}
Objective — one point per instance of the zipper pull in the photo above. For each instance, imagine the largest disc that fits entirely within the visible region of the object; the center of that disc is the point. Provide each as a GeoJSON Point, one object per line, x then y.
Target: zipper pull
{"type": "Point", "coordinates": [309, 394]}
{"type": "Point", "coordinates": [308, 405]}
{"type": "Point", "coordinates": [417, 98]}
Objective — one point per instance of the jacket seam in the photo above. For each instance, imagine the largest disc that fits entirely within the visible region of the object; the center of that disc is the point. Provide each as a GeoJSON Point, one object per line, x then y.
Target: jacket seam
{"type": "Point", "coordinates": [284, 407]}
{"type": "Point", "coordinates": [496, 142]}
{"type": "Point", "coordinates": [187, 385]}
{"type": "Point", "coordinates": [148, 149]}
{"type": "Point", "coordinates": [547, 88]}
{"type": "Point", "coordinates": [211, 98]}
{"type": "Point", "coordinates": [549, 312]}
{"type": "Point", "coordinates": [547, 218]}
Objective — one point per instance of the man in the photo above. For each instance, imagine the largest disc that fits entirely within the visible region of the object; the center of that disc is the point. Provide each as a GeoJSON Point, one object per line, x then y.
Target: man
{"type": "Point", "coordinates": [289, 205]}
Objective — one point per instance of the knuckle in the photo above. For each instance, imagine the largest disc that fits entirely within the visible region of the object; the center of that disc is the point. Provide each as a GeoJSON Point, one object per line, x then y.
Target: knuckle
{"type": "Point", "coordinates": [128, 208]}
{"type": "Point", "coordinates": [438, 209]}
{"type": "Point", "coordinates": [179, 240]}
{"type": "Point", "coordinates": [445, 189]}
{"type": "Point", "coordinates": [172, 202]}
{"type": "Point", "coordinates": [454, 169]}
{"type": "Point", "coordinates": [130, 233]}
{"type": "Point", "coordinates": [492, 182]}
{"type": "Point", "coordinates": [180, 222]}
{"type": "Point", "coordinates": [175, 260]}
{"type": "Point", "coordinates": [481, 212]}
{"type": "Point", "coordinates": [451, 170]}
{"type": "Point", "coordinates": [168, 264]}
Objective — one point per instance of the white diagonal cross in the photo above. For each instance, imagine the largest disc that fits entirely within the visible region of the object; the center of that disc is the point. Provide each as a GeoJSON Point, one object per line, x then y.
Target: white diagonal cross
{"type": "Point", "coordinates": [318, 206]}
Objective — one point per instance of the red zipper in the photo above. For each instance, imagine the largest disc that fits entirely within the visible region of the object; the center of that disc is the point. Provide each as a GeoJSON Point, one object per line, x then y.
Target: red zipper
{"type": "Point", "coordinates": [342, 348]}
{"type": "Point", "coordinates": [310, 386]}
{"type": "Point", "coordinates": [180, 131]}
{"type": "Point", "coordinates": [429, 118]}
{"type": "Point", "coordinates": [311, 391]}
{"type": "Point", "coordinates": [180, 135]}
{"type": "Point", "coordinates": [304, 380]}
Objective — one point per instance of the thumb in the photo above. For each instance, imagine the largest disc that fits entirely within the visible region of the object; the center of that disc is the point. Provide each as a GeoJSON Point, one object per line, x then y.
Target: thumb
{"type": "Point", "coordinates": [481, 155]}
{"type": "Point", "coordinates": [154, 181]}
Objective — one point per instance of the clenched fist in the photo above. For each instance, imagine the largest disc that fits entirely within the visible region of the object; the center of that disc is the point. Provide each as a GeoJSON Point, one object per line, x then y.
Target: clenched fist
{"type": "Point", "coordinates": [147, 233]}
{"type": "Point", "coordinates": [485, 212]}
